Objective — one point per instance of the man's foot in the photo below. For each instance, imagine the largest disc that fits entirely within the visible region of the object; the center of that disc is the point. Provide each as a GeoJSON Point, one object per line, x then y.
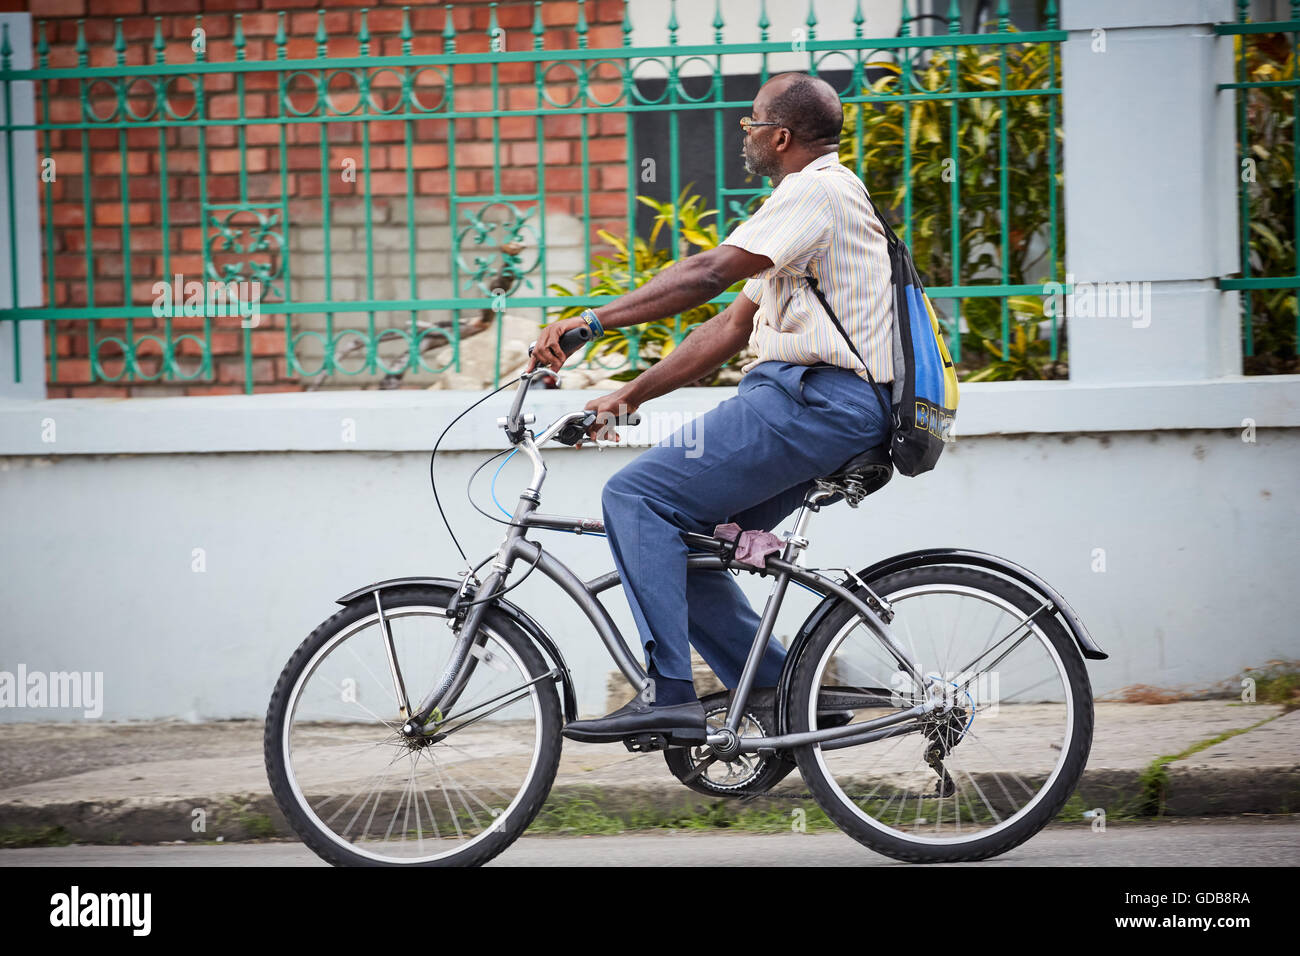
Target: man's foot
{"type": "Point", "coordinates": [679, 723]}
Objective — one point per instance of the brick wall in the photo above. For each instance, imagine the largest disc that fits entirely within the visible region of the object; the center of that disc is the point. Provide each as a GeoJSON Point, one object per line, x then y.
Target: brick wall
{"type": "Point", "coordinates": [141, 152]}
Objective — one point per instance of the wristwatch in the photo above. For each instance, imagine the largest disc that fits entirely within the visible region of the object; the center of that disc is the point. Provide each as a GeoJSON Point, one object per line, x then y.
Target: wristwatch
{"type": "Point", "coordinates": [593, 323]}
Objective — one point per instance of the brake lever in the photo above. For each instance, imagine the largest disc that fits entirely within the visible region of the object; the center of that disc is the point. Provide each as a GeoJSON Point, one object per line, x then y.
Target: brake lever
{"type": "Point", "coordinates": [574, 432]}
{"type": "Point", "coordinates": [630, 421]}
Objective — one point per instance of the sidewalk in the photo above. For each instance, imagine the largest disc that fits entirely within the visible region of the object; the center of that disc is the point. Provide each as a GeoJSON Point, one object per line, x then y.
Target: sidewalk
{"type": "Point", "coordinates": [142, 782]}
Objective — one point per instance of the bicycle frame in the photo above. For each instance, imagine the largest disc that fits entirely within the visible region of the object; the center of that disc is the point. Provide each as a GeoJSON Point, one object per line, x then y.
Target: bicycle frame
{"type": "Point", "coordinates": [711, 555]}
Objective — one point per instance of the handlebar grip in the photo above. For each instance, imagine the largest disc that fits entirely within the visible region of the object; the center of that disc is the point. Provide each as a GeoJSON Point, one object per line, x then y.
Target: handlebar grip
{"type": "Point", "coordinates": [574, 339]}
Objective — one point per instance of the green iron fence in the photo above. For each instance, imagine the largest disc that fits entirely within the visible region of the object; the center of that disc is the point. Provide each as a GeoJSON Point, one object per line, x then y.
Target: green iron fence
{"type": "Point", "coordinates": [944, 185]}
{"type": "Point", "coordinates": [1267, 90]}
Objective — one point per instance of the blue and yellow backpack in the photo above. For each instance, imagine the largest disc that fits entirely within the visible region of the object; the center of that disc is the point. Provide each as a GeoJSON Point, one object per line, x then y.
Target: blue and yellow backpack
{"type": "Point", "coordinates": [925, 382]}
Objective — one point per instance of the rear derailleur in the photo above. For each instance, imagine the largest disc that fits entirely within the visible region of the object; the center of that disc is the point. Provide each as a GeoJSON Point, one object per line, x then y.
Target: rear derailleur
{"type": "Point", "coordinates": [946, 734]}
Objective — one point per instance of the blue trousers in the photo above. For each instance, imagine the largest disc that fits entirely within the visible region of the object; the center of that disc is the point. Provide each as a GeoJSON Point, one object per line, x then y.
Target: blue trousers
{"type": "Point", "coordinates": [750, 460]}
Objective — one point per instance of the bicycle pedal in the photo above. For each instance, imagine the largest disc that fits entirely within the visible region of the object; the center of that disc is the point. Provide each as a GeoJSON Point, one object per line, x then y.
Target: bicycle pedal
{"type": "Point", "coordinates": [644, 743]}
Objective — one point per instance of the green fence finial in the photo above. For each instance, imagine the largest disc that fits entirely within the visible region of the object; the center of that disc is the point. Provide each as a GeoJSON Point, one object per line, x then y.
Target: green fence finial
{"type": "Point", "coordinates": [763, 21]}
{"type": "Point", "coordinates": [582, 24]}
{"type": "Point", "coordinates": [1243, 11]}
{"type": "Point", "coordinates": [627, 23]}
{"type": "Point", "coordinates": [363, 34]}
{"type": "Point", "coordinates": [159, 47]}
{"type": "Point", "coordinates": [405, 33]}
{"type": "Point", "coordinates": [81, 43]}
{"type": "Point", "coordinates": [5, 51]}
{"type": "Point", "coordinates": [493, 26]}
{"type": "Point", "coordinates": [672, 22]}
{"type": "Point", "coordinates": [119, 41]}
{"type": "Point", "coordinates": [43, 48]}
{"type": "Point", "coordinates": [904, 20]}
{"type": "Point", "coordinates": [449, 33]}
{"type": "Point", "coordinates": [717, 22]}
{"type": "Point", "coordinates": [322, 38]}
{"type": "Point", "coordinates": [280, 37]}
{"type": "Point", "coordinates": [858, 20]}
{"type": "Point", "coordinates": [240, 42]}
{"type": "Point", "coordinates": [1004, 15]}
{"type": "Point", "coordinates": [954, 15]}
{"type": "Point", "coordinates": [539, 30]}
{"type": "Point", "coordinates": [1050, 14]}
{"type": "Point", "coordinates": [811, 21]}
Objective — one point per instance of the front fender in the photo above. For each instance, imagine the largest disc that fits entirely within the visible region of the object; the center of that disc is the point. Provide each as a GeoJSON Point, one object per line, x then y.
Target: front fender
{"type": "Point", "coordinates": [518, 615]}
{"type": "Point", "coordinates": [927, 558]}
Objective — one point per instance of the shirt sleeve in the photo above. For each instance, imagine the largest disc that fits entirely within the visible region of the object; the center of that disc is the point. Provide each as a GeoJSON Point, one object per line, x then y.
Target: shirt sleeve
{"type": "Point", "coordinates": [753, 291]}
{"type": "Point", "coordinates": [789, 228]}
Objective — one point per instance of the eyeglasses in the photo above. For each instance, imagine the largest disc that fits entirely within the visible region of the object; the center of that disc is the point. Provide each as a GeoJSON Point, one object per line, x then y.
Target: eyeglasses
{"type": "Point", "coordinates": [748, 122]}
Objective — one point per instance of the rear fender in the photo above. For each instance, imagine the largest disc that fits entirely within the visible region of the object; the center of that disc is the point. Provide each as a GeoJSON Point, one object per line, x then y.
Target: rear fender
{"type": "Point", "coordinates": [931, 557]}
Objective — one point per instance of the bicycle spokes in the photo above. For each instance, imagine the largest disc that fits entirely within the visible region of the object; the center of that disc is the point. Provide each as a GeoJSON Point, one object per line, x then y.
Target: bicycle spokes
{"type": "Point", "coordinates": [393, 797]}
{"type": "Point", "coordinates": [981, 759]}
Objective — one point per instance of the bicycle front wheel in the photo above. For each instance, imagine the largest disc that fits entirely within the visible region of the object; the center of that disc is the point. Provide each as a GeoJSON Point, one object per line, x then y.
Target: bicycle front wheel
{"type": "Point", "coordinates": [993, 770]}
{"type": "Point", "coordinates": [357, 791]}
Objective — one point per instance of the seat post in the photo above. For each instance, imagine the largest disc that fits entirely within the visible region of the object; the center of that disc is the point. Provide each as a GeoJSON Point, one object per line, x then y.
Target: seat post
{"type": "Point", "coordinates": [795, 541]}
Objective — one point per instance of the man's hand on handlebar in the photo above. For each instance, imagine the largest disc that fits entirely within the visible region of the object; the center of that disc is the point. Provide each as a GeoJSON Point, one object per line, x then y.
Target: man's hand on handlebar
{"type": "Point", "coordinates": [610, 409]}
{"type": "Point", "coordinates": [548, 350]}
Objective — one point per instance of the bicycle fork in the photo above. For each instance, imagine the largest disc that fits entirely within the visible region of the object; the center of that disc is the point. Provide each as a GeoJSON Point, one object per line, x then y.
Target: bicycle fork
{"type": "Point", "coordinates": [469, 647]}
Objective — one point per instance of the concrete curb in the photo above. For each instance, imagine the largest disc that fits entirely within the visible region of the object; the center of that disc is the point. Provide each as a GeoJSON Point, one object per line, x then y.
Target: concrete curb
{"type": "Point", "coordinates": [251, 816]}
{"type": "Point", "coordinates": [162, 782]}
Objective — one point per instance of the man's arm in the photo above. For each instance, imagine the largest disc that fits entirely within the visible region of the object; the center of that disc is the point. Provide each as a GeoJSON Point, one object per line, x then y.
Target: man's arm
{"type": "Point", "coordinates": [700, 353]}
{"type": "Point", "coordinates": [679, 288]}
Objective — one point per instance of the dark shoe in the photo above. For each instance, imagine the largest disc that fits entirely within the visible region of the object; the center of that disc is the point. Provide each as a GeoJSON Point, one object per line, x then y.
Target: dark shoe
{"type": "Point", "coordinates": [679, 723]}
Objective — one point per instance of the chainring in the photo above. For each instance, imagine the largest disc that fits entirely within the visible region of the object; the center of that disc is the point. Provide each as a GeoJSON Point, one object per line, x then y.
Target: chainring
{"type": "Point", "coordinates": [748, 774]}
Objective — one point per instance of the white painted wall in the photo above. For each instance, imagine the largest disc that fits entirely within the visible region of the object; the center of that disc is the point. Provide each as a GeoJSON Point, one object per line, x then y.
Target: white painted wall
{"type": "Point", "coordinates": [1199, 527]}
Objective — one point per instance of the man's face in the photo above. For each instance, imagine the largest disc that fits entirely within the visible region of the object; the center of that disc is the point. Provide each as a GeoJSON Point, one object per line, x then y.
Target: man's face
{"type": "Point", "coordinates": [757, 149]}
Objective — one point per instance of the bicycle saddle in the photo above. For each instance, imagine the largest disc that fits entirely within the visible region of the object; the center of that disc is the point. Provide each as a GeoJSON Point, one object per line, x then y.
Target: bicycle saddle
{"type": "Point", "coordinates": [862, 474]}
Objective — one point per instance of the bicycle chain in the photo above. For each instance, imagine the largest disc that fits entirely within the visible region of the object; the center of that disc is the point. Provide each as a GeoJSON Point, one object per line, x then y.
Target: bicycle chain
{"type": "Point", "coordinates": [749, 797]}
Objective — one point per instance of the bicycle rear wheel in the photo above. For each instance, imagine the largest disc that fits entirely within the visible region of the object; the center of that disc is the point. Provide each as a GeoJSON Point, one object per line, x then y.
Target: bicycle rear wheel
{"type": "Point", "coordinates": [357, 791]}
{"type": "Point", "coordinates": [992, 772]}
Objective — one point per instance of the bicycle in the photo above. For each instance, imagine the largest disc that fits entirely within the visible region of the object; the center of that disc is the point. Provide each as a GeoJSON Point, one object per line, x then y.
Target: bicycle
{"type": "Point", "coordinates": [952, 716]}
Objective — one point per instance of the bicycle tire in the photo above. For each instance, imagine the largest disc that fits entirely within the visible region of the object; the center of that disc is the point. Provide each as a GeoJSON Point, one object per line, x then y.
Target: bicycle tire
{"type": "Point", "coordinates": [1051, 799]}
{"type": "Point", "coordinates": [527, 803]}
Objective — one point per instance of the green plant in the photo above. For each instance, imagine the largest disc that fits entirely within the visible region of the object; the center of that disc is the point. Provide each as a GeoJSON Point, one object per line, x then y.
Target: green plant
{"type": "Point", "coordinates": [1270, 190]}
{"type": "Point", "coordinates": [1154, 779]}
{"type": "Point", "coordinates": [628, 269]}
{"type": "Point", "coordinates": [1277, 682]}
{"type": "Point", "coordinates": [979, 221]}
{"type": "Point", "coordinates": [22, 836]}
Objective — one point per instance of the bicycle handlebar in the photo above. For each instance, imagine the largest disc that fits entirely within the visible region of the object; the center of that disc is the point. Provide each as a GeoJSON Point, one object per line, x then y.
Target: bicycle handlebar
{"type": "Point", "coordinates": [572, 432]}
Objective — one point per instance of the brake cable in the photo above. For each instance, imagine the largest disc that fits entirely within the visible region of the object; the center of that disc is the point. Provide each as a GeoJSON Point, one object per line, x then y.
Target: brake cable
{"type": "Point", "coordinates": [433, 457]}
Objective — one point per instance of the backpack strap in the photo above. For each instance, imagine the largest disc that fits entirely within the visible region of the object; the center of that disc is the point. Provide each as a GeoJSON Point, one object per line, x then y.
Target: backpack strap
{"type": "Point", "coordinates": [831, 312]}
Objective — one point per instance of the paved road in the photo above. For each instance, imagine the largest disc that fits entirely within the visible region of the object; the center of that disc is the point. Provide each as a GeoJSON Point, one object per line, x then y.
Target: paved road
{"type": "Point", "coordinates": [1196, 842]}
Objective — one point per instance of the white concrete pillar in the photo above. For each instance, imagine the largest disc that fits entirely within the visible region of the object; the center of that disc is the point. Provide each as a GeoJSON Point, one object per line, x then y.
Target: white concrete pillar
{"type": "Point", "coordinates": [1150, 190]}
{"type": "Point", "coordinates": [27, 226]}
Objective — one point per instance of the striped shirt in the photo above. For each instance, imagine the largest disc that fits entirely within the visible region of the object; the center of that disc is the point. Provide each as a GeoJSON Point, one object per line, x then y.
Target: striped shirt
{"type": "Point", "coordinates": [818, 222]}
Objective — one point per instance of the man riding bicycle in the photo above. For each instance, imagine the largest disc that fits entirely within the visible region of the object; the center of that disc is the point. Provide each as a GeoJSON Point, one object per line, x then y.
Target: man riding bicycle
{"type": "Point", "coordinates": [803, 408]}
